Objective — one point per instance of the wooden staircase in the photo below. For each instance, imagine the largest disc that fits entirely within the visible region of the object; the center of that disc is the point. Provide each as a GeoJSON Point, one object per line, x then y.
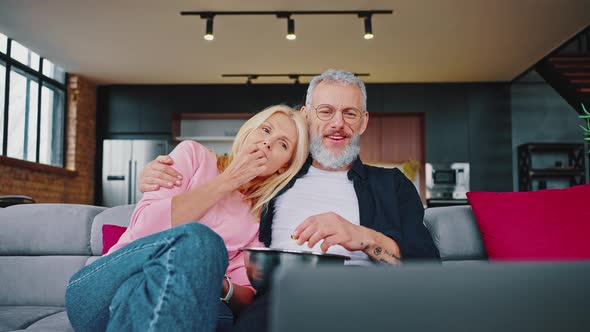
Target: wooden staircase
{"type": "Point", "coordinates": [569, 74]}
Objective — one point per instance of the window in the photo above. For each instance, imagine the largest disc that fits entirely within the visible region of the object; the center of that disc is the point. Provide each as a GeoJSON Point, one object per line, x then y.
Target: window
{"type": "Point", "coordinates": [53, 71]}
{"type": "Point", "coordinates": [2, 91]}
{"type": "Point", "coordinates": [52, 126]}
{"type": "Point", "coordinates": [22, 116]}
{"type": "Point", "coordinates": [24, 55]}
{"type": "Point", "coordinates": [3, 43]}
{"type": "Point", "coordinates": [32, 121]}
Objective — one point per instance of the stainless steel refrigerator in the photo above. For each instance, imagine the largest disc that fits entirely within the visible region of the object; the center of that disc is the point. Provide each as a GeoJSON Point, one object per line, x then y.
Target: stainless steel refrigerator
{"type": "Point", "coordinates": [121, 165]}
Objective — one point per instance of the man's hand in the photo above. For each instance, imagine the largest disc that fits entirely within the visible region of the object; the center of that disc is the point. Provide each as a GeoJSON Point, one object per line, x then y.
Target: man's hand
{"type": "Point", "coordinates": [158, 173]}
{"type": "Point", "coordinates": [334, 230]}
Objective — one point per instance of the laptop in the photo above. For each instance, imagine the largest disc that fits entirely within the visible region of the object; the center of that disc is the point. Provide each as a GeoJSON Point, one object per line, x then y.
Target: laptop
{"type": "Point", "coordinates": [433, 297]}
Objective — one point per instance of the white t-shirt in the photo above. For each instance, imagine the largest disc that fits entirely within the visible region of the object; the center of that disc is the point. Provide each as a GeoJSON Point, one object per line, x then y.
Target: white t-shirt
{"type": "Point", "coordinates": [316, 192]}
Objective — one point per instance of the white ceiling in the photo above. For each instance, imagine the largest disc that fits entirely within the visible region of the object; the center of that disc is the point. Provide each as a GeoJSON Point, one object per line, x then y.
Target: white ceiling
{"type": "Point", "coordinates": [147, 41]}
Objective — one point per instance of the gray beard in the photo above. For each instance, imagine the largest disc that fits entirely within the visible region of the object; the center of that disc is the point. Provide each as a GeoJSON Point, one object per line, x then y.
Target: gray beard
{"type": "Point", "coordinates": [327, 159]}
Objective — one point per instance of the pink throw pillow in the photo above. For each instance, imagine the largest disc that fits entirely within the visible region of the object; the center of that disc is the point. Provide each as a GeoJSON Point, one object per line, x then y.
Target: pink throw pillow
{"type": "Point", "coordinates": [551, 224]}
{"type": "Point", "coordinates": [110, 236]}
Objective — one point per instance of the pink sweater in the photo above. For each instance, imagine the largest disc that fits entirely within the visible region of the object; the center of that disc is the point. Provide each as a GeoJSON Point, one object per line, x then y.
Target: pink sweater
{"type": "Point", "coordinates": [230, 217]}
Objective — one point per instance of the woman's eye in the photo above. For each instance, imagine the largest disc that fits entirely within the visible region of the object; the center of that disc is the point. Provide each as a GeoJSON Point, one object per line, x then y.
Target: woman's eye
{"type": "Point", "coordinates": [266, 130]}
{"type": "Point", "coordinates": [284, 145]}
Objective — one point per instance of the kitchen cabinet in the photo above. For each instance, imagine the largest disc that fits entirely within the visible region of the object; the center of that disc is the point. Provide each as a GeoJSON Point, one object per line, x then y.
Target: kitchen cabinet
{"type": "Point", "coordinates": [392, 139]}
{"type": "Point", "coordinates": [214, 131]}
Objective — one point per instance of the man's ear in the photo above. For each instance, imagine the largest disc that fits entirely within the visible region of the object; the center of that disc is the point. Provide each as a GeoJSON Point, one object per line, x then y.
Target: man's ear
{"type": "Point", "coordinates": [364, 122]}
{"type": "Point", "coordinates": [303, 110]}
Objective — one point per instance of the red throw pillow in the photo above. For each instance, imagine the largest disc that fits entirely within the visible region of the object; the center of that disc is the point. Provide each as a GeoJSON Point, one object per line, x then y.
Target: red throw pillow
{"type": "Point", "coordinates": [551, 224]}
{"type": "Point", "coordinates": [110, 236]}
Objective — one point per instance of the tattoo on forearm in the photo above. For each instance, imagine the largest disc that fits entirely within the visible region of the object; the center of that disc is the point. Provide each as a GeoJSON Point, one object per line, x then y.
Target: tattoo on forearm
{"type": "Point", "coordinates": [377, 251]}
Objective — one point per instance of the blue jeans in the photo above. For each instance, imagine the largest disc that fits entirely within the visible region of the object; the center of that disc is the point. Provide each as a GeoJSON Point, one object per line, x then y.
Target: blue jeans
{"type": "Point", "coordinates": [168, 281]}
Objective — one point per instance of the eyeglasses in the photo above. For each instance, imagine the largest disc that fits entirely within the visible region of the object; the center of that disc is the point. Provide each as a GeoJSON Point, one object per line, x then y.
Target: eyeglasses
{"type": "Point", "coordinates": [326, 112]}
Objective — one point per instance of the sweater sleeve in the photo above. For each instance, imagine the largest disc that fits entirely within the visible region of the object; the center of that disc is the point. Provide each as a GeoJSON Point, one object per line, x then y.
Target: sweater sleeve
{"type": "Point", "coordinates": [417, 242]}
{"type": "Point", "coordinates": [153, 213]}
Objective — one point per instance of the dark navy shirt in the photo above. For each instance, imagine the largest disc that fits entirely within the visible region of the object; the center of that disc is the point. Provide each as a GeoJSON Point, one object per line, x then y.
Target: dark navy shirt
{"type": "Point", "coordinates": [388, 203]}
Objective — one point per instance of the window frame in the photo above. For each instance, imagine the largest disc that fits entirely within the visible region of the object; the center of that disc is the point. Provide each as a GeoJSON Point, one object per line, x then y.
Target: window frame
{"type": "Point", "coordinates": [42, 80]}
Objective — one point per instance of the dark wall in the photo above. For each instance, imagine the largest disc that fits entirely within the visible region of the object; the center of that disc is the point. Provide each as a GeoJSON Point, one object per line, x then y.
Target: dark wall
{"type": "Point", "coordinates": [131, 110]}
{"type": "Point", "coordinates": [464, 122]}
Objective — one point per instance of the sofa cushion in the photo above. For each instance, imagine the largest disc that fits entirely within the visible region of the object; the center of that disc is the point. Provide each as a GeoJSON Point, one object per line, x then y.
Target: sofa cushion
{"type": "Point", "coordinates": [20, 317]}
{"type": "Point", "coordinates": [120, 216]}
{"type": "Point", "coordinates": [110, 236]}
{"type": "Point", "coordinates": [46, 229]}
{"type": "Point", "coordinates": [56, 322]}
{"type": "Point", "coordinates": [539, 225]}
{"type": "Point", "coordinates": [455, 233]}
{"type": "Point", "coordinates": [32, 280]}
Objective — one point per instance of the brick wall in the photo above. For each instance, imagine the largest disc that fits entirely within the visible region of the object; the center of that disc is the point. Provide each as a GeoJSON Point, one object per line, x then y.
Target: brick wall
{"type": "Point", "coordinates": [75, 184]}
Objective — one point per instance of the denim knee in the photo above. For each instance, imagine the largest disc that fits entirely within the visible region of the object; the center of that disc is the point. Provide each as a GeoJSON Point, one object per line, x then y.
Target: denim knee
{"type": "Point", "coordinates": [201, 241]}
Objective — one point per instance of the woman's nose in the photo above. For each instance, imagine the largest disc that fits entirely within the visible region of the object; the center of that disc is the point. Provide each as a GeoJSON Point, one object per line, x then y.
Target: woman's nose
{"type": "Point", "coordinates": [266, 144]}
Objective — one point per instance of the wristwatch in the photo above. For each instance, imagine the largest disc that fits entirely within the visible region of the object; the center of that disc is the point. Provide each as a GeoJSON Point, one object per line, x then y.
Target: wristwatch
{"type": "Point", "coordinates": [230, 291]}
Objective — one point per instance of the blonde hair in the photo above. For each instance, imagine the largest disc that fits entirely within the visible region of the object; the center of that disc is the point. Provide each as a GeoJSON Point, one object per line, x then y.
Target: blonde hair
{"type": "Point", "coordinates": [261, 193]}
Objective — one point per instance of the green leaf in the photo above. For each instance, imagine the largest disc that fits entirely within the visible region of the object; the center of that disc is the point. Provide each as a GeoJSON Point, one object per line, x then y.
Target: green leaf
{"type": "Point", "coordinates": [584, 108]}
{"type": "Point", "coordinates": [587, 138]}
{"type": "Point", "coordinates": [584, 116]}
{"type": "Point", "coordinates": [585, 129]}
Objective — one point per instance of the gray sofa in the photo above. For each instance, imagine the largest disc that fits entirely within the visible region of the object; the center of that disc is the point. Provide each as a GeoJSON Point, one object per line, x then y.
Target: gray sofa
{"type": "Point", "coordinates": [43, 245]}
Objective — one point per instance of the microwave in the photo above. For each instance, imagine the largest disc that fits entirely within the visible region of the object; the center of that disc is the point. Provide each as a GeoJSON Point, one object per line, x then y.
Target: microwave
{"type": "Point", "coordinates": [447, 180]}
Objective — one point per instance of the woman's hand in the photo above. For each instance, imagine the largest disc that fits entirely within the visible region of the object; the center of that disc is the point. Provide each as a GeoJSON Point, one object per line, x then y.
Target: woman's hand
{"type": "Point", "coordinates": [246, 165]}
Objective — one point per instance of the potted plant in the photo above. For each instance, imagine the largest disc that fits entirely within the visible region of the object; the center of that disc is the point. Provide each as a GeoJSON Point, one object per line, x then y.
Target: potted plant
{"type": "Point", "coordinates": [586, 129]}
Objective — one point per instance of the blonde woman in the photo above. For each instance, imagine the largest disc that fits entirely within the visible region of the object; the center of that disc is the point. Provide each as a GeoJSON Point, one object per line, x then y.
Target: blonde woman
{"type": "Point", "coordinates": [181, 248]}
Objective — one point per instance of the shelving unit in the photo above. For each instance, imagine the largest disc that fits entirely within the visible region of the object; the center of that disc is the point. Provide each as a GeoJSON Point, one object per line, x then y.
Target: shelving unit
{"type": "Point", "coordinates": [573, 171]}
{"type": "Point", "coordinates": [216, 131]}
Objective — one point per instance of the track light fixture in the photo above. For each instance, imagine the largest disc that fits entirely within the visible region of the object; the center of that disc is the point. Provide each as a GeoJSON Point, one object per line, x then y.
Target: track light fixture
{"type": "Point", "coordinates": [364, 14]}
{"type": "Point", "coordinates": [295, 77]}
{"type": "Point", "coordinates": [368, 27]}
{"type": "Point", "coordinates": [209, 29]}
{"type": "Point", "coordinates": [291, 29]}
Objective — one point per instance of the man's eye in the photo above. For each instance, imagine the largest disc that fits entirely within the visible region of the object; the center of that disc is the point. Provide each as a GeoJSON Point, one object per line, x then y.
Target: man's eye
{"type": "Point", "coordinates": [266, 130]}
{"type": "Point", "coordinates": [284, 145]}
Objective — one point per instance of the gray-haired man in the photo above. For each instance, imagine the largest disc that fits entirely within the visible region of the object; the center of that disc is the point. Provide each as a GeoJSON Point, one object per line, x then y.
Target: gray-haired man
{"type": "Point", "coordinates": [336, 204]}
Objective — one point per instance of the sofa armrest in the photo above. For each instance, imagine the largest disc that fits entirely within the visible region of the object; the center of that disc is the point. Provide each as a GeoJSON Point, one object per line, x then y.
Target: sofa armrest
{"type": "Point", "coordinates": [455, 233]}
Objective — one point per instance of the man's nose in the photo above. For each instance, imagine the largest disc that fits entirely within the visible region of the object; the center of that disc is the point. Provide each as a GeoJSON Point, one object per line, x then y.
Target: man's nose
{"type": "Point", "coordinates": [338, 120]}
{"type": "Point", "coordinates": [266, 144]}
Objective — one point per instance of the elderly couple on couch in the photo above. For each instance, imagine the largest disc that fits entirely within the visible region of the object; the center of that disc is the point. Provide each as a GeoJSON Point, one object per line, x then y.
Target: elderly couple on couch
{"type": "Point", "coordinates": [279, 187]}
{"type": "Point", "coordinates": [293, 180]}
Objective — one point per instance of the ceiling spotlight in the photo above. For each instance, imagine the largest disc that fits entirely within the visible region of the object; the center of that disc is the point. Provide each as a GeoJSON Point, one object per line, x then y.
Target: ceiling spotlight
{"type": "Point", "coordinates": [295, 77]}
{"type": "Point", "coordinates": [291, 29]}
{"type": "Point", "coordinates": [368, 28]}
{"type": "Point", "coordinates": [250, 78]}
{"type": "Point", "coordinates": [209, 29]}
